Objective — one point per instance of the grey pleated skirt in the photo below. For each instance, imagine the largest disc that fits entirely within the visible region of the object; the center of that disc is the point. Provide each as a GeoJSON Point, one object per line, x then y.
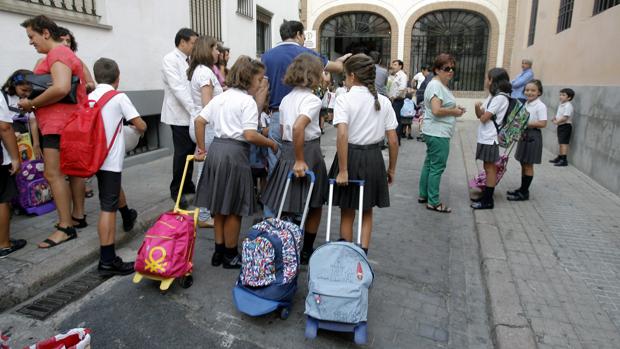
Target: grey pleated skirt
{"type": "Point", "coordinates": [529, 148]}
{"type": "Point", "coordinates": [226, 186]}
{"type": "Point", "coordinates": [364, 162]}
{"type": "Point", "coordinates": [298, 191]}
{"type": "Point", "coordinates": [487, 152]}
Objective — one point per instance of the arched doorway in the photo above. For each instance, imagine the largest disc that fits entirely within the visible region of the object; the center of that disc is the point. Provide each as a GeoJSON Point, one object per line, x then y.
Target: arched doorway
{"type": "Point", "coordinates": [464, 34]}
{"type": "Point", "coordinates": [355, 32]}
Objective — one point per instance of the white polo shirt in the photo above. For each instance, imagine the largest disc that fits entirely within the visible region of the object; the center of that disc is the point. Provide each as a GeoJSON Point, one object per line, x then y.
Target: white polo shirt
{"type": "Point", "coordinates": [537, 110]}
{"type": "Point", "coordinates": [366, 125]}
{"type": "Point", "coordinates": [117, 109]}
{"type": "Point", "coordinates": [496, 105]}
{"type": "Point", "coordinates": [203, 76]}
{"type": "Point", "coordinates": [300, 102]}
{"type": "Point", "coordinates": [6, 116]}
{"type": "Point", "coordinates": [231, 113]}
{"type": "Point", "coordinates": [565, 110]}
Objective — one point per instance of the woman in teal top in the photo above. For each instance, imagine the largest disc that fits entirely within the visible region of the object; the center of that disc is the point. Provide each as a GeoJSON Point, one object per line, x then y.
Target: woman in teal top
{"type": "Point", "coordinates": [440, 116]}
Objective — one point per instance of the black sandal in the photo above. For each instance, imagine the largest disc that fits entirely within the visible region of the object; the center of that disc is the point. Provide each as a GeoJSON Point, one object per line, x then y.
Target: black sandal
{"type": "Point", "coordinates": [439, 208]}
{"type": "Point", "coordinates": [422, 200]}
{"type": "Point", "coordinates": [81, 223]}
{"type": "Point", "coordinates": [69, 231]}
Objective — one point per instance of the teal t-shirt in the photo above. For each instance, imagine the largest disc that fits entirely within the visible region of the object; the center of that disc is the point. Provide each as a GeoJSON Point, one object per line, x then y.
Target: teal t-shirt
{"type": "Point", "coordinates": [438, 126]}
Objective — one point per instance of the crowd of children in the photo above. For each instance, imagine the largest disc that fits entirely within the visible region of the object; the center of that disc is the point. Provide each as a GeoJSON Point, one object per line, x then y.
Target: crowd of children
{"type": "Point", "coordinates": [229, 128]}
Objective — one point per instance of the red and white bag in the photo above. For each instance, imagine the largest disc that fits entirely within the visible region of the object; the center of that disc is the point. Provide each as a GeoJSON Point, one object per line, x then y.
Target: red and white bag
{"type": "Point", "coordinates": [77, 338]}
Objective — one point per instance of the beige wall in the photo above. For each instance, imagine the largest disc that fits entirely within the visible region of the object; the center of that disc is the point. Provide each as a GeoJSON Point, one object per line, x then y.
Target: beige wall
{"type": "Point", "coordinates": [586, 54]}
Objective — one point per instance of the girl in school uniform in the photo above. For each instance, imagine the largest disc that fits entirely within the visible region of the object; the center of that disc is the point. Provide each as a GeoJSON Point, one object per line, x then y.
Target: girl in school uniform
{"type": "Point", "coordinates": [225, 186]}
{"type": "Point", "coordinates": [363, 119]}
{"type": "Point", "coordinates": [491, 113]}
{"type": "Point", "coordinates": [301, 148]}
{"type": "Point", "coordinates": [529, 148]}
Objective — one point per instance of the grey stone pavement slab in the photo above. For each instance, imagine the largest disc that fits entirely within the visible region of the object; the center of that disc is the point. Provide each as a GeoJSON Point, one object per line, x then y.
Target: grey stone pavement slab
{"type": "Point", "coordinates": [552, 261]}
{"type": "Point", "coordinates": [428, 290]}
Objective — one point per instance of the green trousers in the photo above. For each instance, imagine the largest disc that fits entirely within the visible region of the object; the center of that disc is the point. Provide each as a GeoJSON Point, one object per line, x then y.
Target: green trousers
{"type": "Point", "coordinates": [437, 150]}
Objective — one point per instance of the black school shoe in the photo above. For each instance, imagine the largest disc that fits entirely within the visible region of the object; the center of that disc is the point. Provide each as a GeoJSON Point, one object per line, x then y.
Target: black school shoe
{"type": "Point", "coordinates": [17, 244]}
{"type": "Point", "coordinates": [513, 192]}
{"type": "Point", "coordinates": [130, 221]}
{"type": "Point", "coordinates": [482, 205]}
{"type": "Point", "coordinates": [554, 161]}
{"type": "Point", "coordinates": [117, 267]}
{"type": "Point", "coordinates": [304, 257]}
{"type": "Point", "coordinates": [232, 263]}
{"type": "Point", "coordinates": [217, 259]}
{"type": "Point", "coordinates": [561, 163]}
{"type": "Point", "coordinates": [518, 196]}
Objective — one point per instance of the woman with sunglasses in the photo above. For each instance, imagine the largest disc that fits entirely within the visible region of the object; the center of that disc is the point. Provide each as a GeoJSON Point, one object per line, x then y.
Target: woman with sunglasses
{"type": "Point", "coordinates": [440, 116]}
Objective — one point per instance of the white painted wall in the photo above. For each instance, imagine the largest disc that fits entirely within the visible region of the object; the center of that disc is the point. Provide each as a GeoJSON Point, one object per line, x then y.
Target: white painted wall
{"type": "Point", "coordinates": [402, 10]}
{"type": "Point", "coordinates": [239, 32]}
{"type": "Point", "coordinates": [141, 35]}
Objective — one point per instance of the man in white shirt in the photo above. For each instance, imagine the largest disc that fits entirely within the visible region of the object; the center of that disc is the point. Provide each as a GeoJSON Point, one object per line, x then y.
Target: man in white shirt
{"type": "Point", "coordinates": [419, 78]}
{"type": "Point", "coordinates": [178, 107]}
{"type": "Point", "coordinates": [398, 88]}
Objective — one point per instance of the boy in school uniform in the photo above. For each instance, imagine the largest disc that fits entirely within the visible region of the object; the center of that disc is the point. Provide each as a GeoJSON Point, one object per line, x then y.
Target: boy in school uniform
{"type": "Point", "coordinates": [118, 108]}
{"type": "Point", "coordinates": [564, 120]}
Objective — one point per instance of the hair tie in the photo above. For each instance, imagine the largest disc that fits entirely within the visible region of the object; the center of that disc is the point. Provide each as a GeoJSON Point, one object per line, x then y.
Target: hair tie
{"type": "Point", "coordinates": [18, 78]}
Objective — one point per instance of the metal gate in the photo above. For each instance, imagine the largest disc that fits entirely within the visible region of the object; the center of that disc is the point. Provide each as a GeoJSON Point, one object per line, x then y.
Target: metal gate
{"type": "Point", "coordinates": [356, 32]}
{"type": "Point", "coordinates": [463, 34]}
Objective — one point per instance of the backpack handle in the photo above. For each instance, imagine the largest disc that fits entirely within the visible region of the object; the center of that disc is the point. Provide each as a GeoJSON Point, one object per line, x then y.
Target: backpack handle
{"type": "Point", "coordinates": [360, 183]}
{"type": "Point", "coordinates": [289, 178]}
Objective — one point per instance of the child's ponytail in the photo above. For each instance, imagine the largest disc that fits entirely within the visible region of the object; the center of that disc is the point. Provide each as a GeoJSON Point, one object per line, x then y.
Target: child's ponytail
{"type": "Point", "coordinates": [363, 67]}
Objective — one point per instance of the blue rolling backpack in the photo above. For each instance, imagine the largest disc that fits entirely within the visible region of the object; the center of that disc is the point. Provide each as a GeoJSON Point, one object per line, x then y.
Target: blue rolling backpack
{"type": "Point", "coordinates": [339, 279]}
{"type": "Point", "coordinates": [270, 263]}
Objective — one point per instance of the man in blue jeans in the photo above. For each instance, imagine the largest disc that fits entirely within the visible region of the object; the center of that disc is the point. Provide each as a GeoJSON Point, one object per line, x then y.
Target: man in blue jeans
{"type": "Point", "coordinates": [276, 61]}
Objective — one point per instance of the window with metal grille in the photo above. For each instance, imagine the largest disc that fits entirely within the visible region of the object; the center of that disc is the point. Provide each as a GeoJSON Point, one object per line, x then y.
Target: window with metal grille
{"type": "Point", "coordinates": [245, 8]}
{"type": "Point", "coordinates": [602, 5]}
{"type": "Point", "coordinates": [532, 31]}
{"type": "Point", "coordinates": [566, 14]}
{"type": "Point", "coordinates": [86, 7]}
{"type": "Point", "coordinates": [206, 17]}
{"type": "Point", "coordinates": [263, 31]}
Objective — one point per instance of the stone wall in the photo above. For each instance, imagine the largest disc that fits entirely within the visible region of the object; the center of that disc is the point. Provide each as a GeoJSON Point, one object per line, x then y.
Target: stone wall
{"type": "Point", "coordinates": [595, 144]}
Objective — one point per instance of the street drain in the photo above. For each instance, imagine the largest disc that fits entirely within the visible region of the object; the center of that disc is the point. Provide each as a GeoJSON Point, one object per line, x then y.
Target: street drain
{"type": "Point", "coordinates": [43, 307]}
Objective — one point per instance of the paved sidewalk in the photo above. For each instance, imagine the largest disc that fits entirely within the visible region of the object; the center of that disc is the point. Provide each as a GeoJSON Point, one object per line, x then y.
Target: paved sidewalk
{"type": "Point", "coordinates": [26, 272]}
{"type": "Point", "coordinates": [551, 264]}
{"type": "Point", "coordinates": [427, 292]}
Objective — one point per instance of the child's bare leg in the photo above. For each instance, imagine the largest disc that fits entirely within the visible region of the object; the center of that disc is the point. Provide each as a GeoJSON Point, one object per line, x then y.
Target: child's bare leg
{"type": "Point", "coordinates": [366, 227]}
{"type": "Point", "coordinates": [347, 215]}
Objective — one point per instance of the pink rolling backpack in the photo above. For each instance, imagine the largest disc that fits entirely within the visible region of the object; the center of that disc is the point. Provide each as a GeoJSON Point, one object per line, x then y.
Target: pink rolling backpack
{"type": "Point", "coordinates": [168, 247]}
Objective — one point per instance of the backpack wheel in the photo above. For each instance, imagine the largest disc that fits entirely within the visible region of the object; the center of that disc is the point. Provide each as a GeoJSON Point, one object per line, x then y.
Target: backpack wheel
{"type": "Point", "coordinates": [187, 281]}
{"type": "Point", "coordinates": [312, 326]}
{"type": "Point", "coordinates": [284, 313]}
{"type": "Point", "coordinates": [361, 333]}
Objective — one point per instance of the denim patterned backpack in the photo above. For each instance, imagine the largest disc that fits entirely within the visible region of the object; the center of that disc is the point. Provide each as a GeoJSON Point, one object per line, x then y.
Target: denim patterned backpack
{"type": "Point", "coordinates": [513, 124]}
{"type": "Point", "coordinates": [270, 253]}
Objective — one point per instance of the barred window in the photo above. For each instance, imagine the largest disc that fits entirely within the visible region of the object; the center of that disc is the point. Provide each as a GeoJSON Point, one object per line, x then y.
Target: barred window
{"type": "Point", "coordinates": [566, 14]}
{"type": "Point", "coordinates": [532, 31]}
{"type": "Point", "coordinates": [86, 7]}
{"type": "Point", "coordinates": [602, 5]}
{"type": "Point", "coordinates": [245, 8]}
{"type": "Point", "coordinates": [206, 17]}
{"type": "Point", "coordinates": [263, 31]}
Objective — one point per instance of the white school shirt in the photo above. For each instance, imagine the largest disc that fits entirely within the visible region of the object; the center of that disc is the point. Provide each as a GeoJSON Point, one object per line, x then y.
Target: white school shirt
{"type": "Point", "coordinates": [497, 105]}
{"type": "Point", "coordinates": [537, 110]}
{"type": "Point", "coordinates": [366, 125]}
{"type": "Point", "coordinates": [178, 104]}
{"type": "Point", "coordinates": [203, 76]}
{"type": "Point", "coordinates": [565, 110]}
{"type": "Point", "coordinates": [231, 113]}
{"type": "Point", "coordinates": [6, 116]}
{"type": "Point", "coordinates": [300, 101]}
{"type": "Point", "coordinates": [419, 79]}
{"type": "Point", "coordinates": [113, 112]}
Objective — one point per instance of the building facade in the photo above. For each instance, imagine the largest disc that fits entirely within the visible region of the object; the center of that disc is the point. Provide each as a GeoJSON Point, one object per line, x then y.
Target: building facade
{"type": "Point", "coordinates": [575, 44]}
{"type": "Point", "coordinates": [137, 34]}
{"type": "Point", "coordinates": [476, 32]}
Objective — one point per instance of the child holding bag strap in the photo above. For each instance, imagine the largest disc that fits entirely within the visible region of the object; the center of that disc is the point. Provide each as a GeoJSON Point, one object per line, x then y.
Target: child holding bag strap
{"type": "Point", "coordinates": [363, 119]}
{"type": "Point", "coordinates": [301, 148]}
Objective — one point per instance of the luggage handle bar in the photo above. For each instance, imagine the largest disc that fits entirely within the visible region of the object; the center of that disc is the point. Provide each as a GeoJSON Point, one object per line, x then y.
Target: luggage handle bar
{"type": "Point", "coordinates": [360, 183]}
{"type": "Point", "coordinates": [289, 179]}
{"type": "Point", "coordinates": [188, 159]}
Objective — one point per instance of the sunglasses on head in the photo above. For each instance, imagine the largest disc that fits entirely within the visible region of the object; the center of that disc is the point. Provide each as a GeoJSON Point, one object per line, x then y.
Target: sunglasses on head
{"type": "Point", "coordinates": [448, 69]}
